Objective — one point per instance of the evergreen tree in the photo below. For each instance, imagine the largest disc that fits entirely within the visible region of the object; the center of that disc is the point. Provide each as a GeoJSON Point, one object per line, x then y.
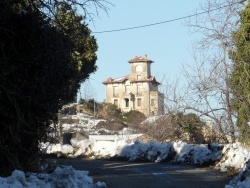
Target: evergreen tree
{"type": "Point", "coordinates": [240, 78]}
{"type": "Point", "coordinates": [134, 117]}
{"type": "Point", "coordinates": [191, 124]}
{"type": "Point", "coordinates": [84, 45]}
{"type": "Point", "coordinates": [39, 74]}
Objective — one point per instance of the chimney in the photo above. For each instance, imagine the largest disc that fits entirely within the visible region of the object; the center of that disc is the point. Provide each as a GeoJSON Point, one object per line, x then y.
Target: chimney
{"type": "Point", "coordinates": [146, 56]}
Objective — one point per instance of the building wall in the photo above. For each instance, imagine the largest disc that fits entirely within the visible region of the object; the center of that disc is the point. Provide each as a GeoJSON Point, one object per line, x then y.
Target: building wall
{"type": "Point", "coordinates": [137, 92]}
{"type": "Point", "coordinates": [145, 71]}
{"type": "Point", "coordinates": [149, 103]}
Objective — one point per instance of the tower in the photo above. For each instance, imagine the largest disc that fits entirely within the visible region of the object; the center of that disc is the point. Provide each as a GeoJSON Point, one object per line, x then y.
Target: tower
{"type": "Point", "coordinates": [140, 68]}
{"type": "Point", "coordinates": [137, 91]}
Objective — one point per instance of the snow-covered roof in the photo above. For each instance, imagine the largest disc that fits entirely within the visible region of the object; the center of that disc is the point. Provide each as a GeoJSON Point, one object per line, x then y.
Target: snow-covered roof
{"type": "Point", "coordinates": [116, 80]}
{"type": "Point", "coordinates": [124, 78]}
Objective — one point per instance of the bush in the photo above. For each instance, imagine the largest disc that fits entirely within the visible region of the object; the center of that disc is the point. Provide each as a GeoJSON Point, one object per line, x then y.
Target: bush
{"type": "Point", "coordinates": [134, 117]}
{"type": "Point", "coordinates": [170, 127]}
{"type": "Point", "coordinates": [110, 112]}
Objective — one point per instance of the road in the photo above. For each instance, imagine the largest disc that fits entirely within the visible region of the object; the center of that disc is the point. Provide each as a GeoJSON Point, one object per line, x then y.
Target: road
{"type": "Point", "coordinates": [120, 174]}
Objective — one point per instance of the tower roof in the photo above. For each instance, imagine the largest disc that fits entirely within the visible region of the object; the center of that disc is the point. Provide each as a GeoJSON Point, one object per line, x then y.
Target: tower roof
{"type": "Point", "coordinates": [140, 59]}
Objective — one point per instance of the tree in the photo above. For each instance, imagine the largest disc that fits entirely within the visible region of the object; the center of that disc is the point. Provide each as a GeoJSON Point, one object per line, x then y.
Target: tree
{"type": "Point", "coordinates": [41, 70]}
{"type": "Point", "coordinates": [110, 111]}
{"type": "Point", "coordinates": [212, 80]}
{"type": "Point", "coordinates": [207, 91]}
{"type": "Point", "coordinates": [240, 79]}
{"type": "Point", "coordinates": [84, 45]}
{"type": "Point", "coordinates": [174, 127]}
{"type": "Point", "coordinates": [134, 117]}
{"type": "Point", "coordinates": [191, 124]}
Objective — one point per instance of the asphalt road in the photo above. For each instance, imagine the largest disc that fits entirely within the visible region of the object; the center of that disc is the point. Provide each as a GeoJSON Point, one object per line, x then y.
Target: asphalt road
{"type": "Point", "coordinates": [120, 174]}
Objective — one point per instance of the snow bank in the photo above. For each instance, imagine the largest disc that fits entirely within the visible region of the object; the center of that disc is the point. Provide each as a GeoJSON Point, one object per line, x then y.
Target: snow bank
{"type": "Point", "coordinates": [63, 177]}
{"type": "Point", "coordinates": [234, 157]}
{"type": "Point", "coordinates": [107, 149]}
{"type": "Point", "coordinates": [152, 151]}
{"type": "Point", "coordinates": [58, 149]}
{"type": "Point", "coordinates": [80, 147]}
{"type": "Point", "coordinates": [179, 152]}
{"type": "Point", "coordinates": [243, 179]}
{"type": "Point", "coordinates": [196, 154]}
{"type": "Point", "coordinates": [99, 149]}
{"type": "Point", "coordinates": [228, 157]}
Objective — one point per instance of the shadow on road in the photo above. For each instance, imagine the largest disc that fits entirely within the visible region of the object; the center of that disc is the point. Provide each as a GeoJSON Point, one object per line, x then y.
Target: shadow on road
{"type": "Point", "coordinates": [120, 174]}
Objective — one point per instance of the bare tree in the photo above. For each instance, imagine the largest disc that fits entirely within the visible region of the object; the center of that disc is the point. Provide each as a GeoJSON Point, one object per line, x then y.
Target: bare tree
{"type": "Point", "coordinates": [206, 90]}
{"type": "Point", "coordinates": [208, 80]}
{"type": "Point", "coordinates": [175, 94]}
{"type": "Point", "coordinates": [87, 91]}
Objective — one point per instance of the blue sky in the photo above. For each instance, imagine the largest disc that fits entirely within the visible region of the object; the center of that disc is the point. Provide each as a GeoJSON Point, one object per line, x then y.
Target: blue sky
{"type": "Point", "coordinates": [168, 45]}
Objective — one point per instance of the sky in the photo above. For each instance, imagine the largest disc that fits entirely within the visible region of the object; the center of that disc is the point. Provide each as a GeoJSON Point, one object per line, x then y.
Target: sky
{"type": "Point", "coordinates": [168, 45]}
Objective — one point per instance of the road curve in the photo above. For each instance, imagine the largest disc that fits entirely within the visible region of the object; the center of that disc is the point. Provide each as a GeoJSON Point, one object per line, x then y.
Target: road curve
{"type": "Point", "coordinates": [120, 174]}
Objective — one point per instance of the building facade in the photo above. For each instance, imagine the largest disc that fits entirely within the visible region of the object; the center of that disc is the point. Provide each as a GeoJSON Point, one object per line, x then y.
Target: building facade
{"type": "Point", "coordinates": [137, 91]}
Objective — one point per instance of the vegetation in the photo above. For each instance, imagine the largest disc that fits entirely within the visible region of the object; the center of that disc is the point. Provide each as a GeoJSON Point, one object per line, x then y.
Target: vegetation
{"type": "Point", "coordinates": [90, 105]}
{"type": "Point", "coordinates": [110, 111]}
{"type": "Point", "coordinates": [43, 61]}
{"type": "Point", "coordinates": [173, 127]}
{"type": "Point", "coordinates": [240, 79]}
{"type": "Point", "coordinates": [207, 89]}
{"type": "Point", "coordinates": [134, 117]}
{"type": "Point", "coordinates": [192, 125]}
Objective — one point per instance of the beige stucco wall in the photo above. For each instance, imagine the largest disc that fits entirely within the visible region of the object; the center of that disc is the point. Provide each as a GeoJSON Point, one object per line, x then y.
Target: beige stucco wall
{"type": "Point", "coordinates": [149, 91]}
{"type": "Point", "coordinates": [146, 107]}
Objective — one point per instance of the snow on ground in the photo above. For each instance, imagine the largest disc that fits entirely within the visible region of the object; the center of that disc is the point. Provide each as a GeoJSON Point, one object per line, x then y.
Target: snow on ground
{"type": "Point", "coordinates": [63, 177]}
{"type": "Point", "coordinates": [235, 156]}
{"type": "Point", "coordinates": [178, 152]}
{"type": "Point", "coordinates": [86, 122]}
{"type": "Point", "coordinates": [151, 119]}
{"type": "Point", "coordinates": [227, 157]}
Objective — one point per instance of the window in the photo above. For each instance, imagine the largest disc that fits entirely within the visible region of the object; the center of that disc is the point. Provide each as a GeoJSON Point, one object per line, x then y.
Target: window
{"type": "Point", "coordinates": [139, 89]}
{"type": "Point", "coordinates": [152, 102]}
{"type": "Point", "coordinates": [139, 102]}
{"type": "Point", "coordinates": [126, 102]}
{"type": "Point", "coordinates": [115, 91]}
{"type": "Point", "coordinates": [127, 89]}
{"type": "Point", "coordinates": [138, 77]}
{"type": "Point", "coordinates": [116, 102]}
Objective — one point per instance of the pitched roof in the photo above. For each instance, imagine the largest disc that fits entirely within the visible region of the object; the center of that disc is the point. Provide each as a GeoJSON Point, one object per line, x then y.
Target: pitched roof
{"type": "Point", "coordinates": [116, 80]}
{"type": "Point", "coordinates": [140, 59]}
{"type": "Point", "coordinates": [124, 78]}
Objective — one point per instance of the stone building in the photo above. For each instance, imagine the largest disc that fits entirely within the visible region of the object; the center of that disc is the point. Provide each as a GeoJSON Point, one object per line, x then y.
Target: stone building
{"type": "Point", "coordinates": [137, 91]}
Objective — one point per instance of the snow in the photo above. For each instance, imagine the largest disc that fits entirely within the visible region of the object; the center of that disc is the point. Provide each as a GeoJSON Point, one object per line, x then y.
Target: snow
{"type": "Point", "coordinates": [227, 157]}
{"type": "Point", "coordinates": [151, 119]}
{"type": "Point", "coordinates": [61, 177]}
{"type": "Point", "coordinates": [235, 158]}
{"type": "Point", "coordinates": [86, 122]}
